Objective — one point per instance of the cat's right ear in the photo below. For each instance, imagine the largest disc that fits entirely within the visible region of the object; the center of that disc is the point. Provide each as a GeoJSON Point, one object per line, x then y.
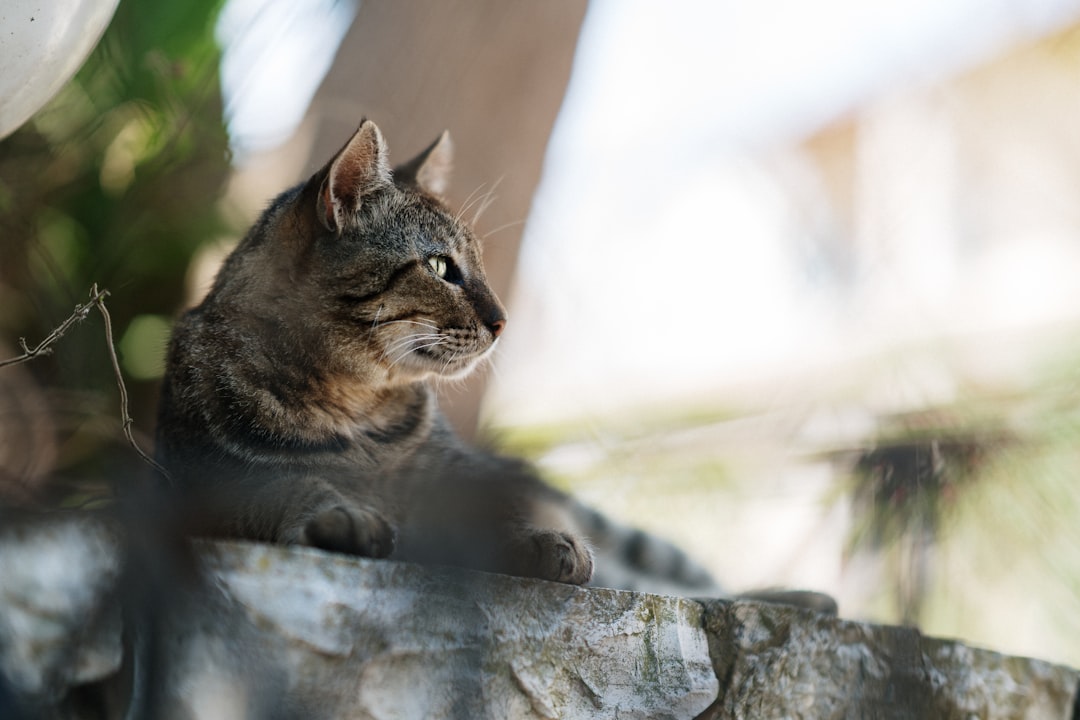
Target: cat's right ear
{"type": "Point", "coordinates": [430, 170]}
{"type": "Point", "coordinates": [359, 169]}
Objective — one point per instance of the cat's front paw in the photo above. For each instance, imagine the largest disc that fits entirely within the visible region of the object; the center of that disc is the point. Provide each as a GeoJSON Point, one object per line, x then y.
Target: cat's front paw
{"type": "Point", "coordinates": [350, 529]}
{"type": "Point", "coordinates": [560, 557]}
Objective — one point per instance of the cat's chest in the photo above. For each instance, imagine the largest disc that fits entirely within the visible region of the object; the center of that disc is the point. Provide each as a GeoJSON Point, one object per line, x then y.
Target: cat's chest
{"type": "Point", "coordinates": [398, 451]}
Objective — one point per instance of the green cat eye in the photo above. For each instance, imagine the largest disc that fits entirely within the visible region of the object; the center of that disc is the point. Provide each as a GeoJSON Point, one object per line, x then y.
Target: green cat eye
{"type": "Point", "coordinates": [438, 264]}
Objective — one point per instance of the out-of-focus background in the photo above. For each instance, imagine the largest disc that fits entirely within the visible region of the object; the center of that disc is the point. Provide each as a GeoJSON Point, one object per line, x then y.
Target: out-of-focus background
{"type": "Point", "coordinates": [793, 284]}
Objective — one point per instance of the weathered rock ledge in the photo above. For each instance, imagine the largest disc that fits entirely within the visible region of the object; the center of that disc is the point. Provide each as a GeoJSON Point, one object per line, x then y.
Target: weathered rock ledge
{"type": "Point", "coordinates": [291, 632]}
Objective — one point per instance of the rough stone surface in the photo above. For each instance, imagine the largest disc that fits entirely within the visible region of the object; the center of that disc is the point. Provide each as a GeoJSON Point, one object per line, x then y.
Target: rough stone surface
{"type": "Point", "coordinates": [57, 626]}
{"type": "Point", "coordinates": [456, 644]}
{"type": "Point", "coordinates": [777, 661]}
{"type": "Point", "coordinates": [271, 632]}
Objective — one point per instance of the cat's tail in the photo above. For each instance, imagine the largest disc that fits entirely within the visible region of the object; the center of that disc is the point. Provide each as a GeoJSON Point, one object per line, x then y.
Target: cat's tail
{"type": "Point", "coordinates": [630, 559]}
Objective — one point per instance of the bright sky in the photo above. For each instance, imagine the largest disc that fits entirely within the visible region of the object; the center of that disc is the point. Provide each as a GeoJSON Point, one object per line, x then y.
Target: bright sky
{"type": "Point", "coordinates": [276, 54]}
{"type": "Point", "coordinates": [658, 256]}
{"type": "Point", "coordinates": [746, 70]}
{"type": "Point", "coordinates": [658, 252]}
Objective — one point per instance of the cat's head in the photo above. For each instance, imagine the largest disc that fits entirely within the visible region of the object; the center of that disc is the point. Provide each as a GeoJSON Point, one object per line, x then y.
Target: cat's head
{"type": "Point", "coordinates": [367, 268]}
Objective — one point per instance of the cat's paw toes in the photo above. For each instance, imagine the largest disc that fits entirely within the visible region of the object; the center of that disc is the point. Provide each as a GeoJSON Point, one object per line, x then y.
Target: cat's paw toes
{"type": "Point", "coordinates": [352, 530]}
{"type": "Point", "coordinates": [562, 557]}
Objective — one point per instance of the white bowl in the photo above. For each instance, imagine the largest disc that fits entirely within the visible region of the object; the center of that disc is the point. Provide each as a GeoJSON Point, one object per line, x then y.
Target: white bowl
{"type": "Point", "coordinates": [42, 44]}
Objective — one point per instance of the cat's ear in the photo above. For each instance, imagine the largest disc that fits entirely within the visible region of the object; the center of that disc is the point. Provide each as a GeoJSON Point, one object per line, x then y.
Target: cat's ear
{"type": "Point", "coordinates": [359, 169]}
{"type": "Point", "coordinates": [430, 170]}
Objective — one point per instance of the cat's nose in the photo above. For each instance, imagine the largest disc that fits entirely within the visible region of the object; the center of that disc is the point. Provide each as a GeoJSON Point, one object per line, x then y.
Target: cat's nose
{"type": "Point", "coordinates": [496, 326]}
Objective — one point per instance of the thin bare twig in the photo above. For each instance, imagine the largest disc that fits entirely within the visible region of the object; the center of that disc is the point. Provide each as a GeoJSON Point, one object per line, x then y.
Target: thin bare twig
{"type": "Point", "coordinates": [45, 346]}
{"type": "Point", "coordinates": [98, 299]}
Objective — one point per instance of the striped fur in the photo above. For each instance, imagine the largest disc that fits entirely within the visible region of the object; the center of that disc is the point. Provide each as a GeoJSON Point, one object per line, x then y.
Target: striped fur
{"type": "Point", "coordinates": [296, 406]}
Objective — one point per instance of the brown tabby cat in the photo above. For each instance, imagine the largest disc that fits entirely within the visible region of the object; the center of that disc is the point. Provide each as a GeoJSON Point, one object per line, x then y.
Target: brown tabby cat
{"type": "Point", "coordinates": [296, 404]}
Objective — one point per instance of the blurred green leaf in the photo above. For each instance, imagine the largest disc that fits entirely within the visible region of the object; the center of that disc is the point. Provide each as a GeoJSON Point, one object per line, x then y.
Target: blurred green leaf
{"type": "Point", "coordinates": [142, 348]}
{"type": "Point", "coordinates": [116, 182]}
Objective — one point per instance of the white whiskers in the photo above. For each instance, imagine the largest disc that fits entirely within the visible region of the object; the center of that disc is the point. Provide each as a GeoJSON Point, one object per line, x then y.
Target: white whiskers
{"type": "Point", "coordinates": [473, 197]}
{"type": "Point", "coordinates": [454, 358]}
{"type": "Point", "coordinates": [403, 347]}
{"type": "Point", "coordinates": [489, 198]}
{"type": "Point", "coordinates": [482, 201]}
{"type": "Point", "coordinates": [428, 325]}
{"type": "Point", "coordinates": [504, 226]}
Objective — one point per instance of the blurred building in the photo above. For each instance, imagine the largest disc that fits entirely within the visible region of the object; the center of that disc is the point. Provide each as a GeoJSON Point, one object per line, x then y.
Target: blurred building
{"type": "Point", "coordinates": [948, 209]}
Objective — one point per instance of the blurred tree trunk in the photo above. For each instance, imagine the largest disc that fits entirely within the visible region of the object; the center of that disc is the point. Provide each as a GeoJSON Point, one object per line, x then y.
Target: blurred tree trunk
{"type": "Point", "coordinates": [492, 72]}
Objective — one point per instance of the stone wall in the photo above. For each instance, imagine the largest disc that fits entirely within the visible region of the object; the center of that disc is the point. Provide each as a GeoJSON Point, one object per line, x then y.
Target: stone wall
{"type": "Point", "coordinates": [270, 632]}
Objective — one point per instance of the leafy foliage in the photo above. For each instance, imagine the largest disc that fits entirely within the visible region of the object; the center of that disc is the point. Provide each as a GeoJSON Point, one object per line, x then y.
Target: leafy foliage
{"type": "Point", "coordinates": [115, 182]}
{"type": "Point", "coordinates": [905, 490]}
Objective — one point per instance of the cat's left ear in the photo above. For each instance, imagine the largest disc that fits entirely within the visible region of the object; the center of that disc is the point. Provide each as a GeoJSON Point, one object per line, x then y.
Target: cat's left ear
{"type": "Point", "coordinates": [430, 170]}
{"type": "Point", "coordinates": [359, 169]}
